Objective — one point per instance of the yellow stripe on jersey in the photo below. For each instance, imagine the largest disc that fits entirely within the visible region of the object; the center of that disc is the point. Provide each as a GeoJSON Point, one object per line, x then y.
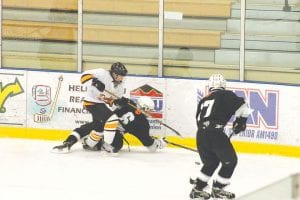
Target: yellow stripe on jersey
{"type": "Point", "coordinates": [85, 77]}
{"type": "Point", "coordinates": [93, 135]}
{"type": "Point", "coordinates": [111, 125]}
{"type": "Point", "coordinates": [87, 103]}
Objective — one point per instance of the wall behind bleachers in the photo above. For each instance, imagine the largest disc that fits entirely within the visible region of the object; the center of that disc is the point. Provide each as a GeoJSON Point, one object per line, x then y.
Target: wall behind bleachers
{"type": "Point", "coordinates": [43, 35]}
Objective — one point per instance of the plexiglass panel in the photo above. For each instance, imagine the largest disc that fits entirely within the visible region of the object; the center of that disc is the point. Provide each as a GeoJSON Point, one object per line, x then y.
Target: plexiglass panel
{"type": "Point", "coordinates": [273, 41]}
{"type": "Point", "coordinates": [196, 38]}
{"type": "Point", "coordinates": [121, 30]}
{"type": "Point", "coordinates": [39, 34]}
{"type": "Point", "coordinates": [287, 189]}
{"type": "Point", "coordinates": [200, 37]}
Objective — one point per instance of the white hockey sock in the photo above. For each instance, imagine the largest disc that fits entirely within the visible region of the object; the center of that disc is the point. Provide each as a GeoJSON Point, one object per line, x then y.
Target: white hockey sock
{"type": "Point", "coordinates": [93, 138]}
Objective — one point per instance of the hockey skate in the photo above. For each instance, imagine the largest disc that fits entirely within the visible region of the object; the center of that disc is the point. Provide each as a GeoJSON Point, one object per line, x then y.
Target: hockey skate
{"type": "Point", "coordinates": [64, 148]}
{"type": "Point", "coordinates": [197, 193]}
{"type": "Point", "coordinates": [157, 144]}
{"type": "Point", "coordinates": [220, 193]}
{"type": "Point", "coordinates": [97, 147]}
{"type": "Point", "coordinates": [108, 149]}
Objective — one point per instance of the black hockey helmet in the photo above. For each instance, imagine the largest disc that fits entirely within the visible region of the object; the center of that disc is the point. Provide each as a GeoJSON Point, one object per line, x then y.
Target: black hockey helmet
{"type": "Point", "coordinates": [118, 68]}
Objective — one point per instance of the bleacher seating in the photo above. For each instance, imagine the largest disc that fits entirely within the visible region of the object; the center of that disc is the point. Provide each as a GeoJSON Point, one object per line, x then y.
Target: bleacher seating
{"type": "Point", "coordinates": [272, 36]}
{"type": "Point", "coordinates": [117, 25]}
{"type": "Point", "coordinates": [203, 8]}
{"type": "Point", "coordinates": [121, 35]}
{"type": "Point", "coordinates": [205, 40]}
{"type": "Point", "coordinates": [70, 5]}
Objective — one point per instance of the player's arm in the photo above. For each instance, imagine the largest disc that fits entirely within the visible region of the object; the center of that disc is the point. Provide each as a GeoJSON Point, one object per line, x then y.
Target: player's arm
{"type": "Point", "coordinates": [198, 112]}
{"type": "Point", "coordinates": [241, 115]}
{"type": "Point", "coordinates": [121, 102]}
{"type": "Point", "coordinates": [96, 82]}
{"type": "Point", "coordinates": [86, 77]}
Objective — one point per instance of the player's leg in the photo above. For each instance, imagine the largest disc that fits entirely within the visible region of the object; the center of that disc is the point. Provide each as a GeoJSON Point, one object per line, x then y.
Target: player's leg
{"type": "Point", "coordinates": [109, 135]}
{"type": "Point", "coordinates": [117, 142]}
{"type": "Point", "coordinates": [100, 113]}
{"type": "Point", "coordinates": [200, 189]}
{"type": "Point", "coordinates": [143, 135]}
{"type": "Point", "coordinates": [228, 158]}
{"type": "Point", "coordinates": [210, 163]}
{"type": "Point", "coordinates": [67, 144]}
{"type": "Point", "coordinates": [113, 146]}
{"type": "Point", "coordinates": [74, 137]}
{"type": "Point", "coordinates": [157, 144]}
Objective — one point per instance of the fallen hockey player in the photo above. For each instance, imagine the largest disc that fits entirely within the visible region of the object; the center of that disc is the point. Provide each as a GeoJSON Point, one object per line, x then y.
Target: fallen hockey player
{"type": "Point", "coordinates": [132, 119]}
{"type": "Point", "coordinates": [129, 118]}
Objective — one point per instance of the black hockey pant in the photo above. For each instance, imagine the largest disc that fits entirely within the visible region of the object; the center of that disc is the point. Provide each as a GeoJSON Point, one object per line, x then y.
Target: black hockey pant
{"type": "Point", "coordinates": [100, 114]}
{"type": "Point", "coordinates": [141, 132]}
{"type": "Point", "coordinates": [214, 147]}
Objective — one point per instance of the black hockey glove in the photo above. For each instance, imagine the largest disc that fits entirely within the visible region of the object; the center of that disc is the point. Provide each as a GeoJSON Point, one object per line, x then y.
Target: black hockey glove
{"type": "Point", "coordinates": [239, 125]}
{"type": "Point", "coordinates": [121, 102]}
{"type": "Point", "coordinates": [98, 84]}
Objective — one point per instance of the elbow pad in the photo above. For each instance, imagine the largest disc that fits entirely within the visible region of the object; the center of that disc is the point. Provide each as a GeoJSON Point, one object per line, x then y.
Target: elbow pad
{"type": "Point", "coordinates": [243, 111]}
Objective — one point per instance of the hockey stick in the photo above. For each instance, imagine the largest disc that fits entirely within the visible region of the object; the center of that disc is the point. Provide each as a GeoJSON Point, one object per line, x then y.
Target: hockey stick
{"type": "Point", "coordinates": [179, 145]}
{"type": "Point", "coordinates": [39, 117]}
{"type": "Point", "coordinates": [172, 129]}
{"type": "Point", "coordinates": [133, 106]}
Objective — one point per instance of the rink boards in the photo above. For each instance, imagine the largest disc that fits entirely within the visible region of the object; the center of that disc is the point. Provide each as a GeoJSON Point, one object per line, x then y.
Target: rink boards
{"type": "Point", "coordinates": [47, 105]}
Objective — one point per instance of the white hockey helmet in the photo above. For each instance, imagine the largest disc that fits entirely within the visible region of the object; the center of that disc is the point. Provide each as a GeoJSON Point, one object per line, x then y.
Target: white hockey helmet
{"type": "Point", "coordinates": [216, 82]}
{"type": "Point", "coordinates": [145, 103]}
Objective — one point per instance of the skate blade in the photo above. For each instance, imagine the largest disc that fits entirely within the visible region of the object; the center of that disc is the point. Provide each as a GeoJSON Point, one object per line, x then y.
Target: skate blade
{"type": "Point", "coordinates": [60, 151]}
{"type": "Point", "coordinates": [108, 154]}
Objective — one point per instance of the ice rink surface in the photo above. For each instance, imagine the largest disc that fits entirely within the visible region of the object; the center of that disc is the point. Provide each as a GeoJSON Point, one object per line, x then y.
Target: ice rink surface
{"type": "Point", "coordinates": [29, 171]}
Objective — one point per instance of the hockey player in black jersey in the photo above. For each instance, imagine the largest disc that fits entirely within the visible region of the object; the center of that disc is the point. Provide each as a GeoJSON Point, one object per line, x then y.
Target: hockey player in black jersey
{"type": "Point", "coordinates": [214, 146]}
{"type": "Point", "coordinates": [133, 120]}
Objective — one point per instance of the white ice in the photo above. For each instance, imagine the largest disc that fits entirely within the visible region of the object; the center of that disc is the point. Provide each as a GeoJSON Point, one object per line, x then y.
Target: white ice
{"type": "Point", "coordinates": [29, 171]}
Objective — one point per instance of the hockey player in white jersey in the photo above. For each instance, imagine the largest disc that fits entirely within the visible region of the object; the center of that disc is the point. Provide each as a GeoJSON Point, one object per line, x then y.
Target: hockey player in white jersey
{"type": "Point", "coordinates": [97, 81]}
{"type": "Point", "coordinates": [214, 146]}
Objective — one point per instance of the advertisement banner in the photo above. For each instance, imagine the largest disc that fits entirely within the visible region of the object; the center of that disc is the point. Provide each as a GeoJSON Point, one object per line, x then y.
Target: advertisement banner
{"type": "Point", "coordinates": [54, 101]}
{"type": "Point", "coordinates": [13, 98]}
{"type": "Point", "coordinates": [274, 109]}
{"type": "Point", "coordinates": [155, 88]}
